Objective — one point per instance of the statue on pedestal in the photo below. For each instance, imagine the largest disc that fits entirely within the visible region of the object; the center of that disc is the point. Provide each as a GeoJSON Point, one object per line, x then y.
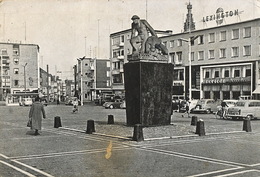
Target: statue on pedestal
{"type": "Point", "coordinates": [146, 47]}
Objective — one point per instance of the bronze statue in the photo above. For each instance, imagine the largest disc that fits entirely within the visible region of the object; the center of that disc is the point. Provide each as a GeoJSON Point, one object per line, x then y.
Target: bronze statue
{"type": "Point", "coordinates": [145, 46]}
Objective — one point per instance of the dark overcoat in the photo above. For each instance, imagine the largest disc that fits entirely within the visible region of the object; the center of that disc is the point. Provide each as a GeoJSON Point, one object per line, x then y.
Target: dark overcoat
{"type": "Point", "coordinates": [36, 113]}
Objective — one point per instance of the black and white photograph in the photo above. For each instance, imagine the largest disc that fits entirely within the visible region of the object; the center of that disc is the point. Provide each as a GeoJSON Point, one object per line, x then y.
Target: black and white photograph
{"type": "Point", "coordinates": [130, 88]}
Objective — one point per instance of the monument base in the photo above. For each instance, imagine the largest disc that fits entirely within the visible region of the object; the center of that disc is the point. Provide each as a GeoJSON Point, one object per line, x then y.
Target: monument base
{"type": "Point", "coordinates": [148, 94]}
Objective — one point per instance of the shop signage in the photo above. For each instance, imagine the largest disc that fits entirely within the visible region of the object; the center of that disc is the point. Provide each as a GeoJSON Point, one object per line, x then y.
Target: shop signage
{"type": "Point", "coordinates": [220, 15]}
{"type": "Point", "coordinates": [227, 80]}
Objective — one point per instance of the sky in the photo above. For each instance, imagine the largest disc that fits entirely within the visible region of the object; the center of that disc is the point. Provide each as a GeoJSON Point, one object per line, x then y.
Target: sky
{"type": "Point", "coordinates": [69, 29]}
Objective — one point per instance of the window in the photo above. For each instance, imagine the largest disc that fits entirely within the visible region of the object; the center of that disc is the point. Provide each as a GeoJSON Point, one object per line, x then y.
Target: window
{"type": "Point", "coordinates": [222, 53]}
{"type": "Point", "coordinates": [181, 75]}
{"type": "Point", "coordinates": [247, 32]}
{"type": "Point", "coordinates": [4, 52]}
{"type": "Point", "coordinates": [235, 51]}
{"type": "Point", "coordinates": [108, 83]}
{"type": "Point", "coordinates": [179, 56]}
{"type": "Point", "coordinates": [165, 43]}
{"type": "Point", "coordinates": [237, 73]}
{"type": "Point", "coordinates": [211, 37]}
{"type": "Point", "coordinates": [201, 39]}
{"type": "Point", "coordinates": [16, 61]}
{"type": "Point", "coordinates": [16, 82]}
{"type": "Point", "coordinates": [207, 74]}
{"type": "Point", "coordinates": [235, 34]}
{"type": "Point", "coordinates": [201, 55]}
{"type": "Point", "coordinates": [122, 39]}
{"type": "Point", "coordinates": [223, 35]}
{"type": "Point", "coordinates": [172, 43]}
{"type": "Point", "coordinates": [248, 72]}
{"type": "Point", "coordinates": [192, 56]}
{"type": "Point", "coordinates": [15, 52]}
{"type": "Point", "coordinates": [226, 73]}
{"type": "Point", "coordinates": [247, 50]}
{"type": "Point", "coordinates": [179, 42]}
{"type": "Point", "coordinates": [16, 71]}
{"type": "Point", "coordinates": [216, 74]}
{"type": "Point", "coordinates": [171, 55]}
{"type": "Point", "coordinates": [108, 73]}
{"type": "Point", "coordinates": [211, 54]}
{"type": "Point", "coordinates": [86, 64]}
{"type": "Point", "coordinates": [108, 64]}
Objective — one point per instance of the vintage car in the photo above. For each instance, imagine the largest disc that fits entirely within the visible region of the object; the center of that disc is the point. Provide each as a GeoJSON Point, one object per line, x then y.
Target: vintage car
{"type": "Point", "coordinates": [206, 106]}
{"type": "Point", "coordinates": [244, 109]}
{"type": "Point", "coordinates": [114, 104]}
{"type": "Point", "coordinates": [26, 102]}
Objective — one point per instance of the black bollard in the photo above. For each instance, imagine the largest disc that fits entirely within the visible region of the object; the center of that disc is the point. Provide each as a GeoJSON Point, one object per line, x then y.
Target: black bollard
{"type": "Point", "coordinates": [57, 122]}
{"type": "Point", "coordinates": [90, 127]}
{"type": "Point", "coordinates": [138, 133]}
{"type": "Point", "coordinates": [194, 120]}
{"type": "Point", "coordinates": [247, 125]}
{"type": "Point", "coordinates": [110, 119]}
{"type": "Point", "coordinates": [200, 129]}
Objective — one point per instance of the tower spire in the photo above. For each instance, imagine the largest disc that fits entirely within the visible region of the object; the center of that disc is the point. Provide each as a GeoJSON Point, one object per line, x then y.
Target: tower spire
{"type": "Point", "coordinates": [189, 24]}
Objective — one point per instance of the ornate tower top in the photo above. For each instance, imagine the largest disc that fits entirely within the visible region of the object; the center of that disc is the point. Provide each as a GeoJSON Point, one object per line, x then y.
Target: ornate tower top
{"type": "Point", "coordinates": [189, 24]}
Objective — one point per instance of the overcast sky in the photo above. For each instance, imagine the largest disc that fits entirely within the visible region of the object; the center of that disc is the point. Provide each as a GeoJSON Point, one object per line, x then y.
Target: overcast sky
{"type": "Point", "coordinates": [62, 27]}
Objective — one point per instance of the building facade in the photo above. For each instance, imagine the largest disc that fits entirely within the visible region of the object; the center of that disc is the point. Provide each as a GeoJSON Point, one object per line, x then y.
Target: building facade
{"type": "Point", "coordinates": [224, 60]}
{"type": "Point", "coordinates": [19, 70]}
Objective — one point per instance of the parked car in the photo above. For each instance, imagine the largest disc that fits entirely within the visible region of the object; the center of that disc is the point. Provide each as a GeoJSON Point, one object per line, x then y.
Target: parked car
{"type": "Point", "coordinates": [26, 102]}
{"type": "Point", "coordinates": [244, 109]}
{"type": "Point", "coordinates": [206, 106]}
{"type": "Point", "coordinates": [112, 105]}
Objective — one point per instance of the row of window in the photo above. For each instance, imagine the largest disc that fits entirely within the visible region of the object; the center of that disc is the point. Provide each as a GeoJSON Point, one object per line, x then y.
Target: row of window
{"type": "Point", "coordinates": [212, 37]}
{"type": "Point", "coordinates": [211, 53]}
{"type": "Point", "coordinates": [226, 74]}
{"type": "Point", "coordinates": [15, 52]}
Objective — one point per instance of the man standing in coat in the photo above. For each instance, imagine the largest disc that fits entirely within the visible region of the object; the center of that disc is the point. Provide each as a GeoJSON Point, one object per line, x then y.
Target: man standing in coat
{"type": "Point", "coordinates": [36, 113]}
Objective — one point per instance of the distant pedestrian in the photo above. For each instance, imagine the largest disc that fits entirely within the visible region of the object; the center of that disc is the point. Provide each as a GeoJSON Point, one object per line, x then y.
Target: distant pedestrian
{"type": "Point", "coordinates": [58, 101]}
{"type": "Point", "coordinates": [75, 105]}
{"type": "Point", "coordinates": [187, 108]}
{"type": "Point", "coordinates": [36, 114]}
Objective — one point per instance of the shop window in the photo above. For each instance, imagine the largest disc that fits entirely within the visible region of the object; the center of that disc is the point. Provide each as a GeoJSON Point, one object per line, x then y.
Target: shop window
{"type": "Point", "coordinates": [235, 34]}
{"type": "Point", "coordinates": [237, 73]}
{"type": "Point", "coordinates": [247, 32]}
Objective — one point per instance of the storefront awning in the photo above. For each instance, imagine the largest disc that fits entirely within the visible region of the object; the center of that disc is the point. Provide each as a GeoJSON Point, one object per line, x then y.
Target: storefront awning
{"type": "Point", "coordinates": [257, 90]}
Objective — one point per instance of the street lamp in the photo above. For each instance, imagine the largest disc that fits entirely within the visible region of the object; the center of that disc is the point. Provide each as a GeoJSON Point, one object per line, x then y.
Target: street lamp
{"type": "Point", "coordinates": [190, 40]}
{"type": "Point", "coordinates": [24, 78]}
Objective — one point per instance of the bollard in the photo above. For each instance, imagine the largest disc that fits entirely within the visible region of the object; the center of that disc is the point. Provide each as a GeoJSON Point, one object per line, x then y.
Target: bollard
{"type": "Point", "coordinates": [90, 127]}
{"type": "Point", "coordinates": [110, 119]}
{"type": "Point", "coordinates": [194, 120]}
{"type": "Point", "coordinates": [247, 125]}
{"type": "Point", "coordinates": [200, 129]}
{"type": "Point", "coordinates": [57, 122]}
{"type": "Point", "coordinates": [138, 133]}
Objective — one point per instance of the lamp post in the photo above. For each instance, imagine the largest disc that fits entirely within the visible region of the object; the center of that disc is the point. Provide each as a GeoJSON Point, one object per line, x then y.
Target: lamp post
{"type": "Point", "coordinates": [191, 39]}
{"type": "Point", "coordinates": [24, 79]}
{"type": "Point", "coordinates": [81, 79]}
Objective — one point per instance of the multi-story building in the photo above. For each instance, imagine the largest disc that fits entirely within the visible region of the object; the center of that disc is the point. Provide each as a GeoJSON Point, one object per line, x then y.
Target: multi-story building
{"type": "Point", "coordinates": [120, 48]}
{"type": "Point", "coordinates": [224, 60]}
{"type": "Point", "coordinates": [19, 70]}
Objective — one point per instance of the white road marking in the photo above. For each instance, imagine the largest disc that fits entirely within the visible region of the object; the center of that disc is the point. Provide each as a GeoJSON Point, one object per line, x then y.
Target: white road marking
{"type": "Point", "coordinates": [240, 172]}
{"type": "Point", "coordinates": [214, 172]}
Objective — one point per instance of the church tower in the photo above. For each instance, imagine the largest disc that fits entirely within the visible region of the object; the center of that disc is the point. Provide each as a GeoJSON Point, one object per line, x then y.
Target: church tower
{"type": "Point", "coordinates": [189, 24]}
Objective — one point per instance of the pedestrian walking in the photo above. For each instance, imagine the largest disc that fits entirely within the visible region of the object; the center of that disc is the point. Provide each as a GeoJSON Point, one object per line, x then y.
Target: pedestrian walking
{"type": "Point", "coordinates": [75, 105]}
{"type": "Point", "coordinates": [36, 114]}
{"type": "Point", "coordinates": [187, 110]}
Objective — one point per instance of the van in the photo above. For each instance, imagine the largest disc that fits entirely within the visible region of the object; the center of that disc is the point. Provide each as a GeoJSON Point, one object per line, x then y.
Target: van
{"type": "Point", "coordinates": [26, 102]}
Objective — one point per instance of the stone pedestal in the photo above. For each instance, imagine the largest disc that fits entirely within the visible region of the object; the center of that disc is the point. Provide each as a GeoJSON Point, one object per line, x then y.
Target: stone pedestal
{"type": "Point", "coordinates": [148, 87]}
